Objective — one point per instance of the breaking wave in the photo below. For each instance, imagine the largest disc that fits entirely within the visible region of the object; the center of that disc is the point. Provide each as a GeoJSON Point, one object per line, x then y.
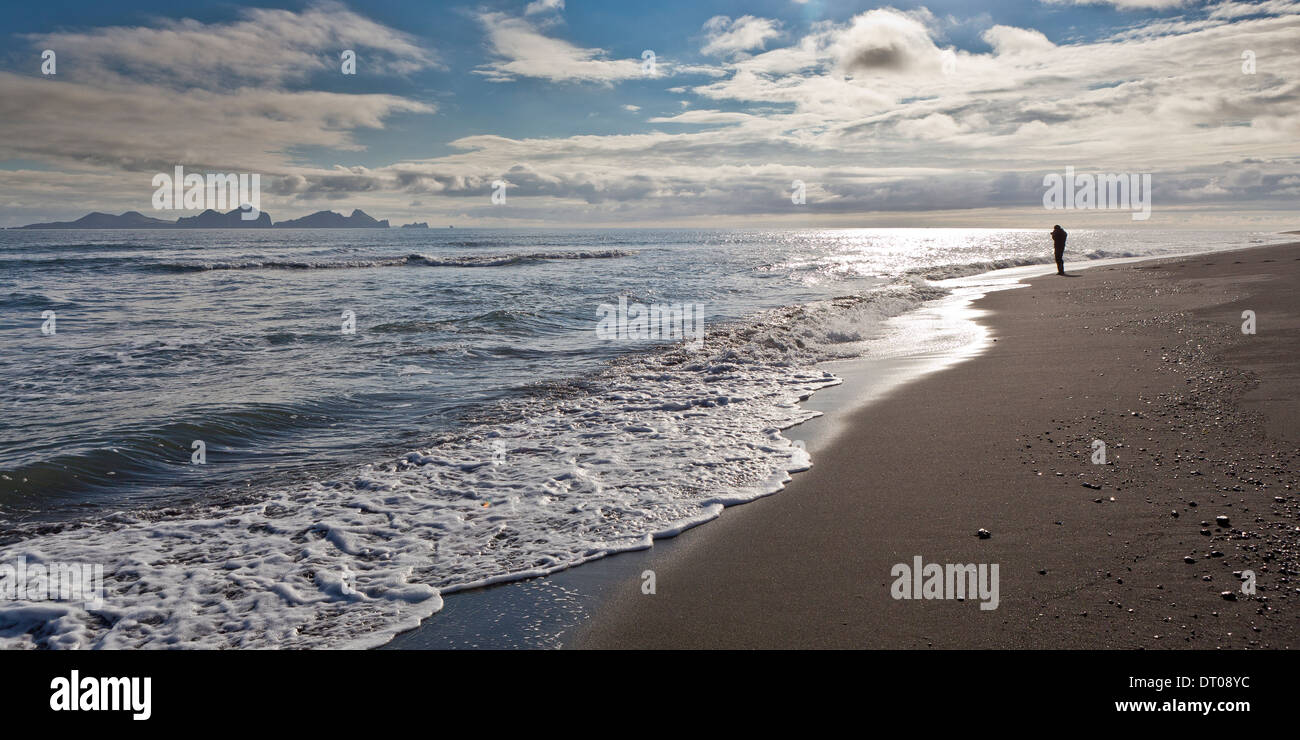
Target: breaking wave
{"type": "Point", "coordinates": [659, 441]}
{"type": "Point", "coordinates": [965, 269]}
{"type": "Point", "coordinates": [410, 260]}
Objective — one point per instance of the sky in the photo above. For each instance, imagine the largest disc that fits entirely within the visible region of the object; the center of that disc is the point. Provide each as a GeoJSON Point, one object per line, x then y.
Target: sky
{"type": "Point", "coordinates": [940, 113]}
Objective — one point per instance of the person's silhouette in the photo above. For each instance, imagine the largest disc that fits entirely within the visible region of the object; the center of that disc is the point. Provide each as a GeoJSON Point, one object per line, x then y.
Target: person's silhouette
{"type": "Point", "coordinates": [1058, 241]}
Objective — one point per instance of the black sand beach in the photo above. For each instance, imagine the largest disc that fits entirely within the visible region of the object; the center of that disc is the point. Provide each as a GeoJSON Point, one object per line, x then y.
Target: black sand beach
{"type": "Point", "coordinates": [1199, 420]}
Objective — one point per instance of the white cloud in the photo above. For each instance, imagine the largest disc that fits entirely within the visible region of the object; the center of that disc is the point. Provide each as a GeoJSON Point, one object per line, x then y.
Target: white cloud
{"type": "Point", "coordinates": [631, 108]}
{"type": "Point", "coordinates": [150, 127]}
{"type": "Point", "coordinates": [933, 126]}
{"type": "Point", "coordinates": [544, 6]}
{"type": "Point", "coordinates": [221, 97]}
{"type": "Point", "coordinates": [873, 91]}
{"type": "Point", "coordinates": [1012, 40]}
{"type": "Point", "coordinates": [1125, 4]}
{"type": "Point", "coordinates": [524, 51]}
{"type": "Point", "coordinates": [1237, 9]}
{"type": "Point", "coordinates": [222, 101]}
{"type": "Point", "coordinates": [705, 117]}
{"type": "Point", "coordinates": [863, 108]}
{"type": "Point", "coordinates": [883, 42]}
{"type": "Point", "coordinates": [727, 36]}
{"type": "Point", "coordinates": [264, 47]}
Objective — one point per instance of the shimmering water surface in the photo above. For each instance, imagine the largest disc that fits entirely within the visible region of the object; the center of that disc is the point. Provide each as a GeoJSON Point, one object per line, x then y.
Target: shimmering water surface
{"type": "Point", "coordinates": [473, 428]}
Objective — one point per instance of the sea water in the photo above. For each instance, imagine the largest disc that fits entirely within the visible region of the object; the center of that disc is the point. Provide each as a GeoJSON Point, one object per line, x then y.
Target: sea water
{"type": "Point", "coordinates": [304, 438]}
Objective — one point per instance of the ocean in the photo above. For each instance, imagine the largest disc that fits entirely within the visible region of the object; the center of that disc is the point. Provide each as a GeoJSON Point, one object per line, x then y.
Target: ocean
{"type": "Point", "coordinates": [305, 438]}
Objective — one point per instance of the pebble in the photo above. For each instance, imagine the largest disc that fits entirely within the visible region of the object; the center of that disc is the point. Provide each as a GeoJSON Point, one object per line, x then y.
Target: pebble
{"type": "Point", "coordinates": [983, 534]}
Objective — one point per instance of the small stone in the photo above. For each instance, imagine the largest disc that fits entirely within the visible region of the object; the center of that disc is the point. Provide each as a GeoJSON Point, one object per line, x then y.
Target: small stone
{"type": "Point", "coordinates": [1221, 520]}
{"type": "Point", "coordinates": [1174, 514]}
{"type": "Point", "coordinates": [1093, 486]}
{"type": "Point", "coordinates": [1229, 595]}
{"type": "Point", "coordinates": [983, 534]}
{"type": "Point", "coordinates": [1189, 560]}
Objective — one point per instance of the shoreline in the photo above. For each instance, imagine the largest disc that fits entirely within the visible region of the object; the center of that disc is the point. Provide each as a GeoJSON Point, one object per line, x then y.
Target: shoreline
{"type": "Point", "coordinates": [1081, 567]}
{"type": "Point", "coordinates": [547, 611]}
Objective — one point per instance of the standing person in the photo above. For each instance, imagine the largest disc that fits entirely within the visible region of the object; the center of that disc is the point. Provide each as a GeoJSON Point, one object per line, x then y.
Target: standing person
{"type": "Point", "coordinates": [1058, 241]}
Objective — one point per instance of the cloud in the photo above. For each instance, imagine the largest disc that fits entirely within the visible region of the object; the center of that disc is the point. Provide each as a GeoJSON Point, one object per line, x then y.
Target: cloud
{"type": "Point", "coordinates": [933, 126]}
{"type": "Point", "coordinates": [263, 47]}
{"type": "Point", "coordinates": [726, 36]}
{"type": "Point", "coordinates": [228, 98]}
{"type": "Point", "coordinates": [856, 108]}
{"type": "Point", "coordinates": [148, 127]}
{"type": "Point", "coordinates": [884, 41]}
{"type": "Point", "coordinates": [217, 94]}
{"type": "Point", "coordinates": [1125, 4]}
{"type": "Point", "coordinates": [705, 117]}
{"type": "Point", "coordinates": [863, 110]}
{"type": "Point", "coordinates": [544, 6]}
{"type": "Point", "coordinates": [521, 50]}
{"type": "Point", "coordinates": [1235, 9]}
{"type": "Point", "coordinates": [1012, 40]}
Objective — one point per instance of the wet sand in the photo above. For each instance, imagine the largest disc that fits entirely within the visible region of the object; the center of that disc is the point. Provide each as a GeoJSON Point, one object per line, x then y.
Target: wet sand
{"type": "Point", "coordinates": [1199, 421]}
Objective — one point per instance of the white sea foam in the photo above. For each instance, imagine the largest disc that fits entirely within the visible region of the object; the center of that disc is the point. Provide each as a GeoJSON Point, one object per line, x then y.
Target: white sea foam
{"type": "Point", "coordinates": [966, 269]}
{"type": "Point", "coordinates": [660, 442]}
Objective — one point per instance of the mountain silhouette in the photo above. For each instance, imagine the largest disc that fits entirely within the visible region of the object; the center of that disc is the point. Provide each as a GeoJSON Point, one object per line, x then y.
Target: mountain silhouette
{"type": "Point", "coordinates": [97, 220]}
{"type": "Point", "coordinates": [211, 219]}
{"type": "Point", "coordinates": [332, 220]}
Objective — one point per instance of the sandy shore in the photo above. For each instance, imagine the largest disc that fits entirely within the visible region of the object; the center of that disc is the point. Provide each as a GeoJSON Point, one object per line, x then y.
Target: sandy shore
{"type": "Point", "coordinates": [1199, 419]}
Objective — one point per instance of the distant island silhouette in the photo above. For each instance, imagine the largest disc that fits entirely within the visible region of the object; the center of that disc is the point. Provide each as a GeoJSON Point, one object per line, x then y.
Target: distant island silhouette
{"type": "Point", "coordinates": [332, 220]}
{"type": "Point", "coordinates": [211, 219]}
